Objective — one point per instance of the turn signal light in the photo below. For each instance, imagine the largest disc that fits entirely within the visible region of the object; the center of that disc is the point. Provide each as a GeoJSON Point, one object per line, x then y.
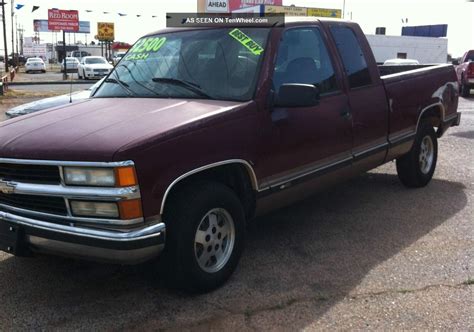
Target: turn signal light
{"type": "Point", "coordinates": [125, 176]}
{"type": "Point", "coordinates": [130, 209]}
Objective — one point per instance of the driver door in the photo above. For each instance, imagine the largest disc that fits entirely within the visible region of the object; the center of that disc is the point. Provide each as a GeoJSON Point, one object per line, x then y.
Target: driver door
{"type": "Point", "coordinates": [305, 141]}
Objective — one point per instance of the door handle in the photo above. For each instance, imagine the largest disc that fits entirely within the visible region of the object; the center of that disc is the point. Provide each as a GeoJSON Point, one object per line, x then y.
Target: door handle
{"type": "Point", "coordinates": [346, 113]}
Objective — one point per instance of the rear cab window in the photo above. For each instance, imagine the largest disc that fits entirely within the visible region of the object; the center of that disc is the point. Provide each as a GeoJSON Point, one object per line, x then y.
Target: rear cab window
{"type": "Point", "coordinates": [352, 56]}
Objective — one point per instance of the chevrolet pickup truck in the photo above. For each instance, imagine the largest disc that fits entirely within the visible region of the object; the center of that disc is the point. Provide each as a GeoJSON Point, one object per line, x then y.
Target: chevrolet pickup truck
{"type": "Point", "coordinates": [465, 73]}
{"type": "Point", "coordinates": [199, 130]}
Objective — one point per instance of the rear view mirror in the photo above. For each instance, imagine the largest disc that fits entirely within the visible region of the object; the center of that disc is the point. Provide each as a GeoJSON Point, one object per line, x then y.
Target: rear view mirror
{"type": "Point", "coordinates": [297, 95]}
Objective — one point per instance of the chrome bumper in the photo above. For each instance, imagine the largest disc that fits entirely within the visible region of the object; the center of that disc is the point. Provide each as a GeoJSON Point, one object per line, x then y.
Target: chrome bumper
{"type": "Point", "coordinates": [126, 247]}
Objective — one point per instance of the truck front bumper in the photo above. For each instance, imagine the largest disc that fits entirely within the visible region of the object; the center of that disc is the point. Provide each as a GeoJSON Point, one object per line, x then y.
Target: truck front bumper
{"type": "Point", "coordinates": [19, 235]}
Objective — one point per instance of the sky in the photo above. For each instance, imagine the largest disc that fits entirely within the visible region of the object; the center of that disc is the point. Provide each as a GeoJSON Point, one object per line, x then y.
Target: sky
{"type": "Point", "coordinates": [458, 14]}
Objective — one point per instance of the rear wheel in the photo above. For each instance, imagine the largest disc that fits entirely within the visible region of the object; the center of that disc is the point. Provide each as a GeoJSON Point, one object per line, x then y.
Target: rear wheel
{"type": "Point", "coordinates": [205, 236]}
{"type": "Point", "coordinates": [465, 90]}
{"type": "Point", "coordinates": [416, 168]}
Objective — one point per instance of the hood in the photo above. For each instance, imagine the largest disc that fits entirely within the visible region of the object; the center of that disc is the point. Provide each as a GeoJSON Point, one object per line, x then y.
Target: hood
{"type": "Point", "coordinates": [95, 129]}
{"type": "Point", "coordinates": [43, 104]}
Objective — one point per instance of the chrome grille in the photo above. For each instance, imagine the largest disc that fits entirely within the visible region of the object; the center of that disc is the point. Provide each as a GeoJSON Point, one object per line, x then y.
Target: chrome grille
{"type": "Point", "coordinates": [30, 173]}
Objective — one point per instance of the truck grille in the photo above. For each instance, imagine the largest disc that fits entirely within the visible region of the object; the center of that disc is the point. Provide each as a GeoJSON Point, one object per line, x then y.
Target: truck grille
{"type": "Point", "coordinates": [52, 205]}
{"type": "Point", "coordinates": [30, 173]}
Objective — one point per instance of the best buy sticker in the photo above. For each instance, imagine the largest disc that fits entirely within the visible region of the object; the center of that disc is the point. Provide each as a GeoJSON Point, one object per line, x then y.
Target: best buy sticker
{"type": "Point", "coordinates": [248, 42]}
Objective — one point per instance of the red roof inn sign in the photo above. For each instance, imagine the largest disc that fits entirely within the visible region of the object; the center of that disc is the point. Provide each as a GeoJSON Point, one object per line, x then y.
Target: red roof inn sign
{"type": "Point", "coordinates": [67, 20]}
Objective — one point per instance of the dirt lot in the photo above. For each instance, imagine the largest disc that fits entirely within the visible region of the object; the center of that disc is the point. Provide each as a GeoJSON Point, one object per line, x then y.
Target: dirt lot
{"type": "Point", "coordinates": [369, 254]}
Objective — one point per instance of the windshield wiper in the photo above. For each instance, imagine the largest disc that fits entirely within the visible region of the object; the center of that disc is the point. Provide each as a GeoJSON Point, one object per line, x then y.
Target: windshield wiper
{"type": "Point", "coordinates": [124, 85]}
{"type": "Point", "coordinates": [196, 88]}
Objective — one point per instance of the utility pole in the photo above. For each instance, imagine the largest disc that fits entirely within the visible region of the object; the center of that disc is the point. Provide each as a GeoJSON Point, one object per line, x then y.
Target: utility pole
{"type": "Point", "coordinates": [4, 36]}
{"type": "Point", "coordinates": [13, 33]}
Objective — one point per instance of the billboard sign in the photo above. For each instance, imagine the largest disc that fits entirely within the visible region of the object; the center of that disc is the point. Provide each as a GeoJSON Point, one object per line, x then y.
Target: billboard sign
{"type": "Point", "coordinates": [228, 6]}
{"type": "Point", "coordinates": [287, 10]}
{"type": "Point", "coordinates": [42, 26]}
{"type": "Point", "coordinates": [105, 31]}
{"type": "Point", "coordinates": [238, 4]}
{"type": "Point", "coordinates": [67, 20]}
{"type": "Point", "coordinates": [323, 12]}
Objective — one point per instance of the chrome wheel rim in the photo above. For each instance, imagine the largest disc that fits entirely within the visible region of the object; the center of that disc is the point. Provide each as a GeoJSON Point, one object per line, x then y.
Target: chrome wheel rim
{"type": "Point", "coordinates": [426, 154]}
{"type": "Point", "coordinates": [214, 240]}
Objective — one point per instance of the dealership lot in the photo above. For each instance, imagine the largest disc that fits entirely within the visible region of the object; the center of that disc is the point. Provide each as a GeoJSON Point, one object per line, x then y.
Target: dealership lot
{"type": "Point", "coordinates": [369, 254]}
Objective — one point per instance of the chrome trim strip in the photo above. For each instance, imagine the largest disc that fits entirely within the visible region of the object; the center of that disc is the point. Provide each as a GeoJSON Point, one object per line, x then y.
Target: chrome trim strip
{"type": "Point", "coordinates": [248, 167]}
{"type": "Point", "coordinates": [451, 117]}
{"type": "Point", "coordinates": [71, 219]}
{"type": "Point", "coordinates": [304, 174]}
{"type": "Point", "coordinates": [401, 135]}
{"type": "Point", "coordinates": [86, 193]}
{"type": "Point", "coordinates": [134, 235]}
{"type": "Point", "coordinates": [67, 163]}
{"type": "Point", "coordinates": [357, 154]}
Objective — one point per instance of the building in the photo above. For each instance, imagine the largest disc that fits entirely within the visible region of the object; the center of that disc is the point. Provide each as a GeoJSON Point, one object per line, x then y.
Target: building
{"type": "Point", "coordinates": [426, 50]}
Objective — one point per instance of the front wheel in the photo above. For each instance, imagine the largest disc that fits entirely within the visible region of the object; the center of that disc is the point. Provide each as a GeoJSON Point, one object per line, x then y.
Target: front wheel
{"type": "Point", "coordinates": [416, 168]}
{"type": "Point", "coordinates": [205, 236]}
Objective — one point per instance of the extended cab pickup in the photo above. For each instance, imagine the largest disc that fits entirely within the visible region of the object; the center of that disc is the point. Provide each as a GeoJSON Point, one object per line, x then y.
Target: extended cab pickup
{"type": "Point", "coordinates": [465, 72]}
{"type": "Point", "coordinates": [197, 131]}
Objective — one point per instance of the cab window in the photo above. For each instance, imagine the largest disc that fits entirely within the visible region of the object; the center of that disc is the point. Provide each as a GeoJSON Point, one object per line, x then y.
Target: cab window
{"type": "Point", "coordinates": [303, 58]}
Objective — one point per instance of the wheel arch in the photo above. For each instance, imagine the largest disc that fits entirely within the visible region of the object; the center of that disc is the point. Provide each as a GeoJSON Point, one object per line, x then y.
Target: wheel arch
{"type": "Point", "coordinates": [433, 114]}
{"type": "Point", "coordinates": [238, 174]}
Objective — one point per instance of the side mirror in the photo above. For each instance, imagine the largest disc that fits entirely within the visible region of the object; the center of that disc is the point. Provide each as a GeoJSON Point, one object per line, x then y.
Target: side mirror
{"type": "Point", "coordinates": [455, 62]}
{"type": "Point", "coordinates": [297, 95]}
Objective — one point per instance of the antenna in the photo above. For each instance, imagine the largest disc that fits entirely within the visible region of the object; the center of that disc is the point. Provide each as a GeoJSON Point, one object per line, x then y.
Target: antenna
{"type": "Point", "coordinates": [70, 85]}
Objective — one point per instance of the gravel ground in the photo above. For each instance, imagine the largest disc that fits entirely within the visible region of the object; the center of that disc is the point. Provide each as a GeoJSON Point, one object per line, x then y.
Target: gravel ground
{"type": "Point", "coordinates": [369, 254]}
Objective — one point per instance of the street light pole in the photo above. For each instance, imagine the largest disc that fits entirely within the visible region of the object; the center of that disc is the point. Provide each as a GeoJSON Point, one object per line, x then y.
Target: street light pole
{"type": "Point", "coordinates": [5, 36]}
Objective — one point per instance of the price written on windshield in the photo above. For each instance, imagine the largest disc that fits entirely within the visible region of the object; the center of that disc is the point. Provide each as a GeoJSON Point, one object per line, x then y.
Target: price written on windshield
{"type": "Point", "coordinates": [144, 47]}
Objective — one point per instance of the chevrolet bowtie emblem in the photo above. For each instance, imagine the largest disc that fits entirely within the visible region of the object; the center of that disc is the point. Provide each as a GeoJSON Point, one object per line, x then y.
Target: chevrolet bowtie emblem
{"type": "Point", "coordinates": [7, 187]}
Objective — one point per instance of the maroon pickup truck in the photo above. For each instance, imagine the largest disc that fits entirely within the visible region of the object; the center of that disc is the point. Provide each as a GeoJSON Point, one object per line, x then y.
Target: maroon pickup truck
{"type": "Point", "coordinates": [465, 72]}
{"type": "Point", "coordinates": [197, 131]}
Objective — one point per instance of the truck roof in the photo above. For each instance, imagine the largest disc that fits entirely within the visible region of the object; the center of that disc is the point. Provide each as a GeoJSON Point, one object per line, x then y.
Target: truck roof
{"type": "Point", "coordinates": [289, 21]}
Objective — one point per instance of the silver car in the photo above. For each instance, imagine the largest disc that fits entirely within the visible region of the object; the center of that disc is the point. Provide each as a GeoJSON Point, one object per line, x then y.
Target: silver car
{"type": "Point", "coordinates": [71, 65]}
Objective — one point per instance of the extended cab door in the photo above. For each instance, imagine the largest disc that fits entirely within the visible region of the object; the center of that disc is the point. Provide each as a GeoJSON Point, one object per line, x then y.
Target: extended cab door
{"type": "Point", "coordinates": [305, 141]}
{"type": "Point", "coordinates": [367, 98]}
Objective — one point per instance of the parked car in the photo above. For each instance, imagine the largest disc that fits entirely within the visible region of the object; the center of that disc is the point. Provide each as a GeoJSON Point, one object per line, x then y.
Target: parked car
{"type": "Point", "coordinates": [51, 102]}
{"type": "Point", "coordinates": [118, 57]}
{"type": "Point", "coordinates": [197, 131]}
{"type": "Point", "coordinates": [93, 67]}
{"type": "Point", "coordinates": [465, 73]}
{"type": "Point", "coordinates": [35, 65]}
{"type": "Point", "coordinates": [400, 62]}
{"type": "Point", "coordinates": [71, 64]}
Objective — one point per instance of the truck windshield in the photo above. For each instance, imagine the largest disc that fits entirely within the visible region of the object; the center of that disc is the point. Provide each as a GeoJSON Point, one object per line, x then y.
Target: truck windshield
{"type": "Point", "coordinates": [218, 63]}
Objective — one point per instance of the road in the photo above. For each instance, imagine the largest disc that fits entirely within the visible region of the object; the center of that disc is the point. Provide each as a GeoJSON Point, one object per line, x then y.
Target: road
{"type": "Point", "coordinates": [369, 254]}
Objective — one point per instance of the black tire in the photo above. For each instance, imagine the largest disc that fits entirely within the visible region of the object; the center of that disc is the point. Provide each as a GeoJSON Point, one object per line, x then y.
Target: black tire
{"type": "Point", "coordinates": [79, 75]}
{"type": "Point", "coordinates": [412, 172]}
{"type": "Point", "coordinates": [465, 90]}
{"type": "Point", "coordinates": [187, 211]}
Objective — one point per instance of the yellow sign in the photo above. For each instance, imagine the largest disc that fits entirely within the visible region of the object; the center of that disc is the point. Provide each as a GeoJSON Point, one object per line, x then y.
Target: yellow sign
{"type": "Point", "coordinates": [287, 10]}
{"type": "Point", "coordinates": [323, 12]}
{"type": "Point", "coordinates": [105, 31]}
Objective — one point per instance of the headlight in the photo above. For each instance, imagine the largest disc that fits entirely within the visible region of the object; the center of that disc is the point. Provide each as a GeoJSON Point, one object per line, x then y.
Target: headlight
{"type": "Point", "coordinates": [126, 210]}
{"type": "Point", "coordinates": [94, 209]}
{"type": "Point", "coordinates": [100, 177]}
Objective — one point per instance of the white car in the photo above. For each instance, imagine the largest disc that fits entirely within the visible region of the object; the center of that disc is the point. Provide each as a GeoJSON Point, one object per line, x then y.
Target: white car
{"type": "Point", "coordinates": [71, 64]}
{"type": "Point", "coordinates": [35, 64]}
{"type": "Point", "coordinates": [401, 62]}
{"type": "Point", "coordinates": [118, 57]}
{"type": "Point", "coordinates": [93, 67]}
